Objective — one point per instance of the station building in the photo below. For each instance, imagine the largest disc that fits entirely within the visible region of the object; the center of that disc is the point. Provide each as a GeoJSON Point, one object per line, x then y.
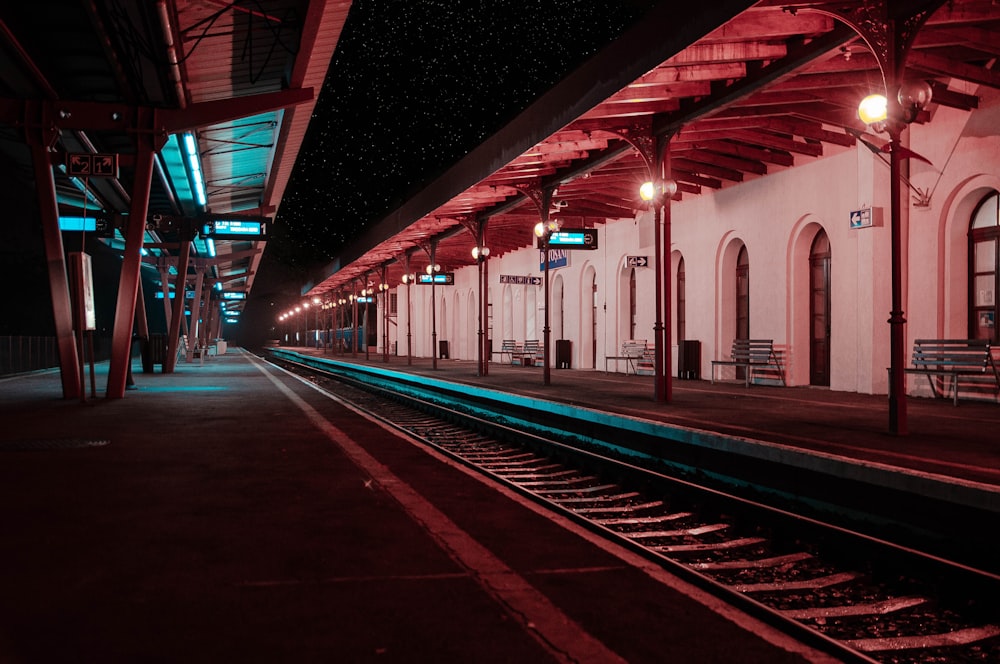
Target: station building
{"type": "Point", "coordinates": [799, 252]}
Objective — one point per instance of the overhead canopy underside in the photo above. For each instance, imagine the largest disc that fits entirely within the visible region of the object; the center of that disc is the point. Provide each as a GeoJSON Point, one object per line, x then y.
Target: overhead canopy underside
{"type": "Point", "coordinates": [741, 90]}
{"type": "Point", "coordinates": [237, 81]}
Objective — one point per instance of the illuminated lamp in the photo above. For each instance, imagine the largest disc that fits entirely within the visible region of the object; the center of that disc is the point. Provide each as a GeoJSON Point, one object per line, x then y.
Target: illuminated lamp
{"type": "Point", "coordinates": [543, 229]}
{"type": "Point", "coordinates": [647, 190]}
{"type": "Point", "coordinates": [873, 109]}
{"type": "Point", "coordinates": [478, 252]}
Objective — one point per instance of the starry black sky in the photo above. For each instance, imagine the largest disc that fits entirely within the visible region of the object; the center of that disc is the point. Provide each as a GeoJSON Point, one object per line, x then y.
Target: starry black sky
{"type": "Point", "coordinates": [413, 86]}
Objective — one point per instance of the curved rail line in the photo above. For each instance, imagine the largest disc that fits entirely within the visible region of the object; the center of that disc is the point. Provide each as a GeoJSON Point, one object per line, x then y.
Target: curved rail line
{"type": "Point", "coordinates": [858, 597]}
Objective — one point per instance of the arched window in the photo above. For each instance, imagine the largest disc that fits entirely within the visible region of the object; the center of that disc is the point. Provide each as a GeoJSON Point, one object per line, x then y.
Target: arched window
{"type": "Point", "coordinates": [631, 304]}
{"type": "Point", "coordinates": [984, 256]}
{"type": "Point", "coordinates": [819, 310]}
{"type": "Point", "coordinates": [743, 294]}
{"type": "Point", "coordinates": [681, 303]}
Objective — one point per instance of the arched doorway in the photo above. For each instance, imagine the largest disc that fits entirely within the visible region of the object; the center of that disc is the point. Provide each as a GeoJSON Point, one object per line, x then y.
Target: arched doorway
{"type": "Point", "coordinates": [984, 276]}
{"type": "Point", "coordinates": [819, 310]}
{"type": "Point", "coordinates": [631, 304]}
{"type": "Point", "coordinates": [743, 294]}
{"type": "Point", "coordinates": [681, 302]}
{"type": "Point", "coordinates": [742, 301]}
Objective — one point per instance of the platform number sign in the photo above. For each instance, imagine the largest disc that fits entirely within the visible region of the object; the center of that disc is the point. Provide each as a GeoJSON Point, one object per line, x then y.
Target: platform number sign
{"type": "Point", "coordinates": [92, 165]}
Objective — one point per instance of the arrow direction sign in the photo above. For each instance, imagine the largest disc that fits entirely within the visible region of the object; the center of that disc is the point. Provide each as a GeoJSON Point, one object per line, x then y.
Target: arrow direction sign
{"type": "Point", "coordinates": [92, 165]}
{"type": "Point", "coordinates": [637, 261]}
{"type": "Point", "coordinates": [105, 165]}
{"type": "Point", "coordinates": [79, 165]}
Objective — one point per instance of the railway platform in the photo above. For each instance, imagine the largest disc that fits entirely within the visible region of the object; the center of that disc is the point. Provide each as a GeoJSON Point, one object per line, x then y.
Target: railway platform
{"type": "Point", "coordinates": [230, 511]}
{"type": "Point", "coordinates": [959, 444]}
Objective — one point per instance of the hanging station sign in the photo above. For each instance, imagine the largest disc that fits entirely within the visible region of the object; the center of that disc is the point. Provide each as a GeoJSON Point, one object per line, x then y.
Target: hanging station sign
{"type": "Point", "coordinates": [441, 278]}
{"type": "Point", "coordinates": [572, 238]}
{"type": "Point", "coordinates": [234, 229]}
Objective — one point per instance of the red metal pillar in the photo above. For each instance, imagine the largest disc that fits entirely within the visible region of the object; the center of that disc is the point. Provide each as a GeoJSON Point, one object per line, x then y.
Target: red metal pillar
{"type": "Point", "coordinates": [128, 285]}
{"type": "Point", "coordinates": [897, 320]}
{"type": "Point", "coordinates": [667, 380]}
{"type": "Point", "coordinates": [177, 317]}
{"type": "Point", "coordinates": [62, 307]}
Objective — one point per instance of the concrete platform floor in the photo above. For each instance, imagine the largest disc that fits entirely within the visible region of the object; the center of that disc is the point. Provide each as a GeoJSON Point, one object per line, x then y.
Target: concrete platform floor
{"type": "Point", "coordinates": [230, 512]}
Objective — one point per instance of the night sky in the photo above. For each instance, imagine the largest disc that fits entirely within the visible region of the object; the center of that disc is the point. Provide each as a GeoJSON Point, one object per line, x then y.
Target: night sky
{"type": "Point", "coordinates": [414, 86]}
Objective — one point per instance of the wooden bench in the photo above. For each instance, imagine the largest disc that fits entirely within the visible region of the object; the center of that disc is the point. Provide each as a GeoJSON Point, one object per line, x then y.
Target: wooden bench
{"type": "Point", "coordinates": [954, 359]}
{"type": "Point", "coordinates": [527, 354]}
{"type": "Point", "coordinates": [632, 351]}
{"type": "Point", "coordinates": [507, 347]}
{"type": "Point", "coordinates": [751, 354]}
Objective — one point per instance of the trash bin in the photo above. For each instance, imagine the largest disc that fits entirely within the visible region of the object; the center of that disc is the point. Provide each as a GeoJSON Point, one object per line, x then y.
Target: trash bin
{"type": "Point", "coordinates": [443, 350]}
{"type": "Point", "coordinates": [689, 359]}
{"type": "Point", "coordinates": [564, 353]}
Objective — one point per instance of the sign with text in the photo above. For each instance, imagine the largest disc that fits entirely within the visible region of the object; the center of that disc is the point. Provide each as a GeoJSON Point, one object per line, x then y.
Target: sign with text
{"type": "Point", "coordinates": [572, 238]}
{"type": "Point", "coordinates": [866, 217]}
{"type": "Point", "coordinates": [637, 261]}
{"type": "Point", "coordinates": [557, 258]}
{"type": "Point", "coordinates": [234, 229]}
{"type": "Point", "coordinates": [87, 165]}
{"type": "Point", "coordinates": [520, 280]}
{"type": "Point", "coordinates": [442, 278]}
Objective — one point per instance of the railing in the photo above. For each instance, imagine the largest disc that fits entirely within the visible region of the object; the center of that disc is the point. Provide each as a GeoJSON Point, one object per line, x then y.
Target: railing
{"type": "Point", "coordinates": [19, 354]}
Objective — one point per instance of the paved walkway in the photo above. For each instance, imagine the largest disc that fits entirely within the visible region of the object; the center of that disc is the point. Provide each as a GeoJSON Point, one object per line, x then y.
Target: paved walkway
{"type": "Point", "coordinates": [230, 512]}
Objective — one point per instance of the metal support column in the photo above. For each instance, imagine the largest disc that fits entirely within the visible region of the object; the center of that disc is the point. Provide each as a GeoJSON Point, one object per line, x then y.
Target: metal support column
{"type": "Point", "coordinates": [62, 307]}
{"type": "Point", "coordinates": [128, 285]}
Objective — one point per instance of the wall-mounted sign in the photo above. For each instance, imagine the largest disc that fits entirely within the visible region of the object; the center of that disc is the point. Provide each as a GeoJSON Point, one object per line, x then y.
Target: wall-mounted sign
{"type": "Point", "coordinates": [637, 261]}
{"type": "Point", "coordinates": [446, 278]}
{"type": "Point", "coordinates": [557, 258]}
{"type": "Point", "coordinates": [866, 217]}
{"type": "Point", "coordinates": [522, 280]}
{"type": "Point", "coordinates": [572, 238]}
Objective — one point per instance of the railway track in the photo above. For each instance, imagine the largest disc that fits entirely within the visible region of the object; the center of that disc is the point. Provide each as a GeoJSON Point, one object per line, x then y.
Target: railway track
{"type": "Point", "coordinates": [855, 596]}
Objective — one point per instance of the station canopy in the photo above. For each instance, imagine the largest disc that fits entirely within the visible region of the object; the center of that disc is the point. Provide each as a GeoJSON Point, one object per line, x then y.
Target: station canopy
{"type": "Point", "coordinates": [228, 87]}
{"type": "Point", "coordinates": [740, 89]}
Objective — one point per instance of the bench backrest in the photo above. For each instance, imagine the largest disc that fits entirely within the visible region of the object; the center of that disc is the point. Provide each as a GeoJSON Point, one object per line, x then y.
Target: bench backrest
{"type": "Point", "coordinates": [952, 353]}
{"type": "Point", "coordinates": [508, 346]}
{"type": "Point", "coordinates": [753, 350]}
{"type": "Point", "coordinates": [531, 346]}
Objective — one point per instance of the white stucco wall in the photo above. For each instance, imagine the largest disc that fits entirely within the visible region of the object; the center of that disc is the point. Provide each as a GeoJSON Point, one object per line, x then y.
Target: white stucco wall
{"type": "Point", "coordinates": [776, 217]}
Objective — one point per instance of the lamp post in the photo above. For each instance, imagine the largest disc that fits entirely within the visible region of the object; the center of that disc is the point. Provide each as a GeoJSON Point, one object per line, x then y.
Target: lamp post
{"type": "Point", "coordinates": [479, 254]}
{"type": "Point", "coordinates": [875, 111]}
{"type": "Point", "coordinates": [658, 192]}
{"type": "Point", "coordinates": [366, 293]}
{"type": "Point", "coordinates": [432, 271]}
{"type": "Point", "coordinates": [543, 231]}
{"type": "Point", "coordinates": [315, 303]}
{"type": "Point", "coordinates": [354, 324]}
{"type": "Point", "coordinates": [384, 290]}
{"type": "Point", "coordinates": [341, 302]}
{"type": "Point", "coordinates": [408, 279]}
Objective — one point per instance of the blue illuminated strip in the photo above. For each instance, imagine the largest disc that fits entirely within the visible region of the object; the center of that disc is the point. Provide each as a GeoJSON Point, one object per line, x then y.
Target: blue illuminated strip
{"type": "Point", "coordinates": [194, 163]}
{"type": "Point", "coordinates": [77, 224]}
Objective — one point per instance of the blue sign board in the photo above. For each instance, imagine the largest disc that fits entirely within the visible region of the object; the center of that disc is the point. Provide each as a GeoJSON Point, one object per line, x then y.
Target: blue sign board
{"type": "Point", "coordinates": [572, 238]}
